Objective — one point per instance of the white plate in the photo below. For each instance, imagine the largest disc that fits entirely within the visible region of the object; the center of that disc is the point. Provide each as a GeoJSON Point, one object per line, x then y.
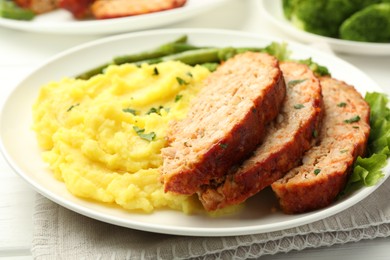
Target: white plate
{"type": "Point", "coordinates": [62, 22]}
{"type": "Point", "coordinates": [273, 11]}
{"type": "Point", "coordinates": [20, 149]}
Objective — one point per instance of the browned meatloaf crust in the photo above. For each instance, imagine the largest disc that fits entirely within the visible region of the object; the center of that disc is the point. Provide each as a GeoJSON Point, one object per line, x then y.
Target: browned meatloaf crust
{"type": "Point", "coordinates": [325, 168]}
{"type": "Point", "coordinates": [287, 139]}
{"type": "Point", "coordinates": [225, 122]}
{"type": "Point", "coordinates": [103, 9]}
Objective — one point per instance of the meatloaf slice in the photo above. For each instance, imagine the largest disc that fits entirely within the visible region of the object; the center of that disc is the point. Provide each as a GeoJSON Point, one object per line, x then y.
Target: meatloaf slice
{"type": "Point", "coordinates": [325, 167]}
{"type": "Point", "coordinates": [287, 139]}
{"type": "Point", "coordinates": [103, 9]}
{"type": "Point", "coordinates": [225, 122]}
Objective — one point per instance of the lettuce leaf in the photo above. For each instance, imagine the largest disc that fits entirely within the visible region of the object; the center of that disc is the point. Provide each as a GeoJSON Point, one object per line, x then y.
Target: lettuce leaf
{"type": "Point", "coordinates": [368, 171]}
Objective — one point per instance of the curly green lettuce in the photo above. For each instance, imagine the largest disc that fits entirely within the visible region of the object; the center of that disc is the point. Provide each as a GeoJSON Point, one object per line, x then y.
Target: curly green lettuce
{"type": "Point", "coordinates": [369, 170]}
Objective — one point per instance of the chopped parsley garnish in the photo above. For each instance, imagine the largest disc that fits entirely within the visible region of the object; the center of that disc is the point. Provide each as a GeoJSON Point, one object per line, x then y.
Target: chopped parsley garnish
{"type": "Point", "coordinates": [178, 97]}
{"type": "Point", "coordinates": [154, 110]}
{"type": "Point", "coordinates": [223, 146]}
{"type": "Point", "coordinates": [181, 81]}
{"type": "Point", "coordinates": [155, 71]}
{"type": "Point", "coordinates": [189, 74]}
{"type": "Point", "coordinates": [292, 83]}
{"type": "Point", "coordinates": [317, 171]}
{"type": "Point", "coordinates": [141, 133]}
{"type": "Point", "coordinates": [342, 104]}
{"type": "Point", "coordinates": [298, 106]}
{"type": "Point", "coordinates": [72, 106]}
{"type": "Point", "coordinates": [315, 133]}
{"type": "Point", "coordinates": [130, 110]}
{"type": "Point", "coordinates": [352, 120]}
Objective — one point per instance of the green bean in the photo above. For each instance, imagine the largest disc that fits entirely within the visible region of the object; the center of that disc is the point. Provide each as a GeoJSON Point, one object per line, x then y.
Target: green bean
{"type": "Point", "coordinates": [9, 9]}
{"type": "Point", "coordinates": [95, 71]}
{"type": "Point", "coordinates": [163, 50]}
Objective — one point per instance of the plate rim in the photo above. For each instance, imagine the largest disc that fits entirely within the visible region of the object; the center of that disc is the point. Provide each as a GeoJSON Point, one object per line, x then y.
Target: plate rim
{"type": "Point", "coordinates": [192, 231]}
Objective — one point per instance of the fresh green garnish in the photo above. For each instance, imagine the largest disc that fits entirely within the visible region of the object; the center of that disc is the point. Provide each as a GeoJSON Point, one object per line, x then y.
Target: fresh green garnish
{"type": "Point", "coordinates": [223, 146]}
{"type": "Point", "coordinates": [342, 104]}
{"type": "Point", "coordinates": [72, 106]}
{"type": "Point", "coordinates": [10, 10]}
{"type": "Point", "coordinates": [315, 133]}
{"type": "Point", "coordinates": [298, 106]}
{"type": "Point", "coordinates": [154, 110]}
{"type": "Point", "coordinates": [368, 171]}
{"type": "Point", "coordinates": [178, 97]}
{"type": "Point", "coordinates": [130, 110]}
{"type": "Point", "coordinates": [292, 83]}
{"type": "Point", "coordinates": [317, 171]}
{"type": "Point", "coordinates": [352, 120]}
{"type": "Point", "coordinates": [141, 133]}
{"type": "Point", "coordinates": [155, 71]}
{"type": "Point", "coordinates": [181, 81]}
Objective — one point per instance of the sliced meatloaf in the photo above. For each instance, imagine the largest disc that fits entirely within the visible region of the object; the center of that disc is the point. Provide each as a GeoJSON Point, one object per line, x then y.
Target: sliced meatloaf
{"type": "Point", "coordinates": [325, 167]}
{"type": "Point", "coordinates": [103, 9]}
{"type": "Point", "coordinates": [288, 137]}
{"type": "Point", "coordinates": [225, 122]}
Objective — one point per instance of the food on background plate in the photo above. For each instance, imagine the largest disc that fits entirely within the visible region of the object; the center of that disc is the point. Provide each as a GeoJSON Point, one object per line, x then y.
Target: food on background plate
{"type": "Point", "coordinates": [103, 9]}
{"type": "Point", "coordinates": [325, 168]}
{"type": "Point", "coordinates": [287, 138]}
{"type": "Point", "coordinates": [104, 131]}
{"type": "Point", "coordinates": [85, 9]}
{"type": "Point", "coordinates": [355, 20]}
{"type": "Point", "coordinates": [225, 123]}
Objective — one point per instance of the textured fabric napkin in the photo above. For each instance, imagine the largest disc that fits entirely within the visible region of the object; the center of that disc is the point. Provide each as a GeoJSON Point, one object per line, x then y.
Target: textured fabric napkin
{"type": "Point", "coordinates": [62, 234]}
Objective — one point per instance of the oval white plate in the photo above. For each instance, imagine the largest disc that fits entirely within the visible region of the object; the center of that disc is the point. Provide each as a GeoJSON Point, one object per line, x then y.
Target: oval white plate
{"type": "Point", "coordinates": [20, 149]}
{"type": "Point", "coordinates": [62, 22]}
{"type": "Point", "coordinates": [273, 11]}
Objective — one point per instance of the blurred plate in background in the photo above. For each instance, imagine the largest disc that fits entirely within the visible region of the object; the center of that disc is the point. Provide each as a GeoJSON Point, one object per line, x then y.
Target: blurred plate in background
{"type": "Point", "coordinates": [62, 22]}
{"type": "Point", "coordinates": [273, 11]}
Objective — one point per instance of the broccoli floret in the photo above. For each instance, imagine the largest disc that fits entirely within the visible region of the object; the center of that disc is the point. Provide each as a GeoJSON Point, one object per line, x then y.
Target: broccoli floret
{"type": "Point", "coordinates": [372, 24]}
{"type": "Point", "coordinates": [323, 17]}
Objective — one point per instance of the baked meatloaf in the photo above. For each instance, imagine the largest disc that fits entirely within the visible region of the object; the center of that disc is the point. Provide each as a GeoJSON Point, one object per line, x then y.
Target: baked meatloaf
{"type": "Point", "coordinates": [288, 137]}
{"type": "Point", "coordinates": [225, 123]}
{"type": "Point", "coordinates": [103, 9]}
{"type": "Point", "coordinates": [325, 168]}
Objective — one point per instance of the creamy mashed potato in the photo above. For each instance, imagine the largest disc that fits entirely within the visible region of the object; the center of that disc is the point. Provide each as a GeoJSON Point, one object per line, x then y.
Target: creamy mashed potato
{"type": "Point", "coordinates": [103, 136]}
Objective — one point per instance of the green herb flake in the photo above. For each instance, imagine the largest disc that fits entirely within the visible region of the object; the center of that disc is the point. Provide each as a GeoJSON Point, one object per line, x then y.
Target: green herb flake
{"type": "Point", "coordinates": [130, 110]}
{"type": "Point", "coordinates": [154, 110]}
{"type": "Point", "coordinates": [317, 171]}
{"type": "Point", "coordinates": [223, 146]}
{"type": "Point", "coordinates": [72, 106]}
{"type": "Point", "coordinates": [155, 72]}
{"type": "Point", "coordinates": [315, 133]}
{"type": "Point", "coordinates": [178, 97]}
{"type": "Point", "coordinates": [352, 120]}
{"type": "Point", "coordinates": [190, 74]}
{"type": "Point", "coordinates": [181, 81]}
{"type": "Point", "coordinates": [292, 83]}
{"type": "Point", "coordinates": [140, 132]}
{"type": "Point", "coordinates": [342, 104]}
{"type": "Point", "coordinates": [368, 171]}
{"type": "Point", "coordinates": [298, 106]}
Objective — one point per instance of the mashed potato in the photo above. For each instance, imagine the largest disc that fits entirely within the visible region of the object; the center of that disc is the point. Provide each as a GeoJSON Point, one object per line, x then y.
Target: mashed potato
{"type": "Point", "coordinates": [103, 136]}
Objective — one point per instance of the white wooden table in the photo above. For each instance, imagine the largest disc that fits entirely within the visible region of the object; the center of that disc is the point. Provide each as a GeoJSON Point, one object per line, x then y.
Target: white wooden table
{"type": "Point", "coordinates": [21, 51]}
